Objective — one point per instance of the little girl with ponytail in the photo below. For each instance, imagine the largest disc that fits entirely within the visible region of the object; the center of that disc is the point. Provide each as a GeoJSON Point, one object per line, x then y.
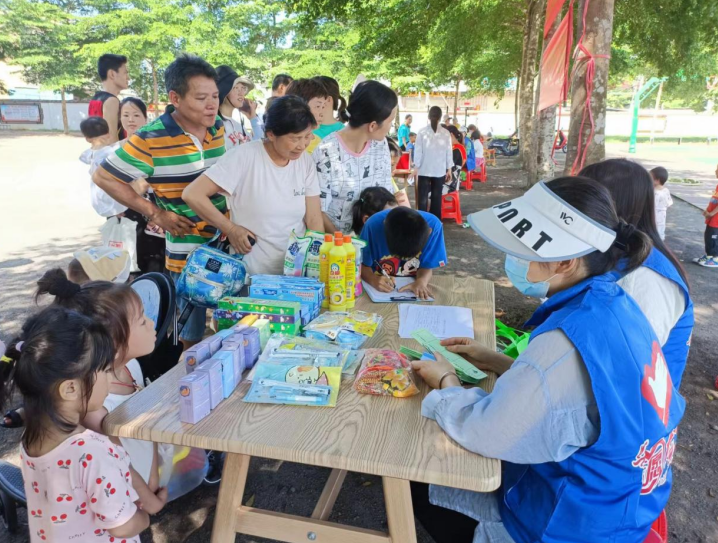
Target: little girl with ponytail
{"type": "Point", "coordinates": [77, 482]}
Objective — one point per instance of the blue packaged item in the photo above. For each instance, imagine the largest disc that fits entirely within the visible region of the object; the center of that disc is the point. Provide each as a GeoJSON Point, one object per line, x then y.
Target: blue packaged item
{"type": "Point", "coordinates": [227, 360]}
{"type": "Point", "coordinates": [237, 350]}
{"type": "Point", "coordinates": [214, 342]}
{"type": "Point", "coordinates": [348, 329]}
{"type": "Point", "coordinates": [194, 356]}
{"type": "Point", "coordinates": [194, 397]}
{"type": "Point", "coordinates": [209, 275]}
{"type": "Point", "coordinates": [213, 369]}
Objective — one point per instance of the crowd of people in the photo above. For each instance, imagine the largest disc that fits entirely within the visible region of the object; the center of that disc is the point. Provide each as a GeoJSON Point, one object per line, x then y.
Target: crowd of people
{"type": "Point", "coordinates": [584, 421]}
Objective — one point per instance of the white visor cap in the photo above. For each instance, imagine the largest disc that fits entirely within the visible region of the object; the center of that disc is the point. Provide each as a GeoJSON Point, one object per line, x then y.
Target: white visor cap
{"type": "Point", "coordinates": [539, 226]}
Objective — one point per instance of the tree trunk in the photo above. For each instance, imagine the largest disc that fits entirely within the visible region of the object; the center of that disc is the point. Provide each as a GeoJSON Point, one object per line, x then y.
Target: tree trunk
{"type": "Point", "coordinates": [516, 101]}
{"type": "Point", "coordinates": [597, 40]}
{"type": "Point", "coordinates": [546, 131]}
{"type": "Point", "coordinates": [65, 124]}
{"type": "Point", "coordinates": [456, 98]}
{"type": "Point", "coordinates": [527, 114]}
{"type": "Point", "coordinates": [155, 93]}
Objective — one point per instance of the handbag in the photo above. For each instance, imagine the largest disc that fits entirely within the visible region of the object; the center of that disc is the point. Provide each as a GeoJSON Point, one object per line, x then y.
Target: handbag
{"type": "Point", "coordinates": [210, 274]}
{"type": "Point", "coordinates": [121, 233]}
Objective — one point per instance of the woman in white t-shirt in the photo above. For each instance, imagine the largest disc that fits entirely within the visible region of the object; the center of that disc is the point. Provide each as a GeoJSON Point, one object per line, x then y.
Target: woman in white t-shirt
{"type": "Point", "coordinates": [357, 156]}
{"type": "Point", "coordinates": [271, 187]}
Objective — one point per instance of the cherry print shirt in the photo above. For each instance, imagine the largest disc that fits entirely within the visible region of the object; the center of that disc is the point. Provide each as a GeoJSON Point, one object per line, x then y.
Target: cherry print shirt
{"type": "Point", "coordinates": [79, 491]}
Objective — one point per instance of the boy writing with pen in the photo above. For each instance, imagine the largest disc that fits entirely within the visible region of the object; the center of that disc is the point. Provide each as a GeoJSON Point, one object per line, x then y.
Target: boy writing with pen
{"type": "Point", "coordinates": [402, 242]}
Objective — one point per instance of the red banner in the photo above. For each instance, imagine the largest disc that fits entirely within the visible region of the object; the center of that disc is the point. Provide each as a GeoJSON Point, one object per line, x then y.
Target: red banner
{"type": "Point", "coordinates": [553, 10]}
{"type": "Point", "coordinates": [555, 64]}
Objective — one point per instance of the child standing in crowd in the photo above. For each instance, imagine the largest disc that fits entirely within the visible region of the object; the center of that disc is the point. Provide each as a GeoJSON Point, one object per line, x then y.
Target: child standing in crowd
{"type": "Point", "coordinates": [97, 134]}
{"type": "Point", "coordinates": [401, 197]}
{"type": "Point", "coordinates": [411, 145]}
{"type": "Point", "coordinates": [337, 105]}
{"type": "Point", "coordinates": [317, 96]}
{"type": "Point", "coordinates": [403, 243]}
{"type": "Point", "coordinates": [458, 154]}
{"type": "Point", "coordinates": [710, 259]}
{"type": "Point", "coordinates": [117, 308]}
{"type": "Point", "coordinates": [372, 201]}
{"type": "Point", "coordinates": [77, 481]}
{"type": "Point", "coordinates": [663, 198]}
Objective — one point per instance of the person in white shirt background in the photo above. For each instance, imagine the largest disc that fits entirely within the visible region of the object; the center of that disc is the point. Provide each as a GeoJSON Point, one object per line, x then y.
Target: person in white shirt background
{"type": "Point", "coordinates": [433, 161]}
{"type": "Point", "coordinates": [271, 187]}
{"type": "Point", "coordinates": [232, 96]}
{"type": "Point", "coordinates": [663, 198]}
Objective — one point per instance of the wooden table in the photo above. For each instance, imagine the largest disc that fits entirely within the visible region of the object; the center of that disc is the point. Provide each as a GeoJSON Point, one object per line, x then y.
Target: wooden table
{"type": "Point", "coordinates": [377, 435]}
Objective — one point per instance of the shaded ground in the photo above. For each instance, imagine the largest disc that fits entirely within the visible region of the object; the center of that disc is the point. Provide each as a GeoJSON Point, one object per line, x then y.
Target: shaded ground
{"type": "Point", "coordinates": [693, 510]}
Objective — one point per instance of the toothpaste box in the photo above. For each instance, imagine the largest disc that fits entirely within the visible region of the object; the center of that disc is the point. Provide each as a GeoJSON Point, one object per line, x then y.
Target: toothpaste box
{"type": "Point", "coordinates": [226, 358]}
{"type": "Point", "coordinates": [194, 397]}
{"type": "Point", "coordinates": [213, 369]}
{"type": "Point", "coordinates": [252, 346]}
{"type": "Point", "coordinates": [194, 356]}
{"type": "Point", "coordinates": [237, 350]}
{"type": "Point", "coordinates": [214, 342]}
{"type": "Point", "coordinates": [260, 306]}
{"type": "Point", "coordinates": [224, 334]}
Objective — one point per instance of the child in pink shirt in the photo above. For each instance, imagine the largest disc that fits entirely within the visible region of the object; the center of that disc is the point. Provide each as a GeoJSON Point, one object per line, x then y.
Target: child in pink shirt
{"type": "Point", "coordinates": [77, 482]}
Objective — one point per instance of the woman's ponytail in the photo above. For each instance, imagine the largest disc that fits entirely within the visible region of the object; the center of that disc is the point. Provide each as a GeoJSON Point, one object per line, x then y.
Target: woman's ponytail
{"type": "Point", "coordinates": [632, 245]}
{"type": "Point", "coordinates": [55, 283]}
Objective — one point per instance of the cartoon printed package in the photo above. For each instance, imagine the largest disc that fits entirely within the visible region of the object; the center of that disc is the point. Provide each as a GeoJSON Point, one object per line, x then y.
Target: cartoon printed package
{"type": "Point", "coordinates": [296, 255]}
{"type": "Point", "coordinates": [295, 385]}
{"type": "Point", "coordinates": [282, 349]}
{"type": "Point", "coordinates": [384, 372]}
{"type": "Point", "coordinates": [347, 329]}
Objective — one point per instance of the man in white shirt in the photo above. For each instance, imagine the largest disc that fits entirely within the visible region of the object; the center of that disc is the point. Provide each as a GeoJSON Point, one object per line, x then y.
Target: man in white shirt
{"type": "Point", "coordinates": [432, 162]}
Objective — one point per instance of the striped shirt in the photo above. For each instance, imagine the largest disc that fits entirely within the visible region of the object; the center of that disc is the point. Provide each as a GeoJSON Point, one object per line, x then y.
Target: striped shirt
{"type": "Point", "coordinates": [170, 159]}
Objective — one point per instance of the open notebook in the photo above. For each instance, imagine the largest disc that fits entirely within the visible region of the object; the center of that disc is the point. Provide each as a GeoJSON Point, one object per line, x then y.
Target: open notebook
{"type": "Point", "coordinates": [395, 296]}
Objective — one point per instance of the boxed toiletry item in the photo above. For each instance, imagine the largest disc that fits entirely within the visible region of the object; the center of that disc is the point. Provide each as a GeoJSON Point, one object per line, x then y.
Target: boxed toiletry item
{"type": "Point", "coordinates": [213, 369]}
{"type": "Point", "coordinates": [194, 397]}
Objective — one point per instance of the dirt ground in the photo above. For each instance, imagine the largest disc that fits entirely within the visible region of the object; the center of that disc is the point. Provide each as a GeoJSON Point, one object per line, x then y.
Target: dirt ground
{"type": "Point", "coordinates": [290, 488]}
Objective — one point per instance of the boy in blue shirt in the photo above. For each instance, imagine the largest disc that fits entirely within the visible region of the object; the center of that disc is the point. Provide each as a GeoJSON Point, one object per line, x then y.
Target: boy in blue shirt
{"type": "Point", "coordinates": [402, 242]}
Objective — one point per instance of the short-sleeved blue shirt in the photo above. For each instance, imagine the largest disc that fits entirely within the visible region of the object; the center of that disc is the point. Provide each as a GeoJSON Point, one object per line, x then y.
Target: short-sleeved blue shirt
{"type": "Point", "coordinates": [433, 255]}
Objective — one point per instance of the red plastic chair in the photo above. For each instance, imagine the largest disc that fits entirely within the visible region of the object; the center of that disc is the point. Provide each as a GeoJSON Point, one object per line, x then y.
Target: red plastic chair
{"type": "Point", "coordinates": [659, 530]}
{"type": "Point", "coordinates": [468, 183]}
{"type": "Point", "coordinates": [451, 207]}
{"type": "Point", "coordinates": [404, 162]}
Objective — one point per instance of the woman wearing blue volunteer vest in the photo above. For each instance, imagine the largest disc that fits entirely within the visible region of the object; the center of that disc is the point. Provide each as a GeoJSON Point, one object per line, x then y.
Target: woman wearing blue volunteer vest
{"type": "Point", "coordinates": [585, 419]}
{"type": "Point", "coordinates": [660, 285]}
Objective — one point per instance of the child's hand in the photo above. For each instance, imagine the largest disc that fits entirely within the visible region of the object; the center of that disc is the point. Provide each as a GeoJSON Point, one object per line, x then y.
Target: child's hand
{"type": "Point", "coordinates": [419, 288]}
{"type": "Point", "coordinates": [155, 504]}
{"type": "Point", "coordinates": [383, 284]}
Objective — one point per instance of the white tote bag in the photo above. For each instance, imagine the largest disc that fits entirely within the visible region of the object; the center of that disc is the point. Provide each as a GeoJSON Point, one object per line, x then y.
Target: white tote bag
{"type": "Point", "coordinates": [121, 233]}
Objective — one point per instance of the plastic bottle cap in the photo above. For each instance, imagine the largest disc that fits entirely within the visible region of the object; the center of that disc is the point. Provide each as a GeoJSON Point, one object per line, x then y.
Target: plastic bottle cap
{"type": "Point", "coordinates": [347, 239]}
{"type": "Point", "coordinates": [328, 238]}
{"type": "Point", "coordinates": [339, 242]}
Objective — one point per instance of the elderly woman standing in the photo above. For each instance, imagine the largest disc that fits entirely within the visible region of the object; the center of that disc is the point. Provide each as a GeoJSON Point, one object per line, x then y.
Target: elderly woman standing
{"type": "Point", "coordinates": [271, 186]}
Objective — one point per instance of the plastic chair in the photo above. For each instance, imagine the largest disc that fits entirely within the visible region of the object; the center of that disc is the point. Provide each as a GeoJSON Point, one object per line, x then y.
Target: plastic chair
{"type": "Point", "coordinates": [476, 175]}
{"type": "Point", "coordinates": [404, 162]}
{"type": "Point", "coordinates": [659, 530]}
{"type": "Point", "coordinates": [468, 182]}
{"type": "Point", "coordinates": [451, 207]}
{"type": "Point", "coordinates": [490, 156]}
{"type": "Point", "coordinates": [12, 494]}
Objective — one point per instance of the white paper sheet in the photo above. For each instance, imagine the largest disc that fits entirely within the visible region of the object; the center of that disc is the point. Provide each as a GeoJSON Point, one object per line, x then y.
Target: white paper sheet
{"type": "Point", "coordinates": [381, 297]}
{"type": "Point", "coordinates": [442, 321]}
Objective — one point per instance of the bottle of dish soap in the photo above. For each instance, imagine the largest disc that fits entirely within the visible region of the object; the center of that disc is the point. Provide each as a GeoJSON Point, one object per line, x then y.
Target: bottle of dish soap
{"type": "Point", "coordinates": [351, 272]}
{"type": "Point", "coordinates": [324, 266]}
{"type": "Point", "coordinates": [337, 275]}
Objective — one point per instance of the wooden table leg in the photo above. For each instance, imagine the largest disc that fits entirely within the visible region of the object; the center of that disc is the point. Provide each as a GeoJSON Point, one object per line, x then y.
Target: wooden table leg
{"type": "Point", "coordinates": [399, 510]}
{"type": "Point", "coordinates": [329, 495]}
{"type": "Point", "coordinates": [231, 490]}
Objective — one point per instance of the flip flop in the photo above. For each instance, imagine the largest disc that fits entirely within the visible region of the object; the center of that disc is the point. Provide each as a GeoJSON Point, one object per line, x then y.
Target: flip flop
{"type": "Point", "coordinates": [15, 420]}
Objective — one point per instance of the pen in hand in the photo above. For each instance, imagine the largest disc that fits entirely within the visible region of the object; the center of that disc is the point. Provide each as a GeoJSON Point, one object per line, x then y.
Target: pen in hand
{"type": "Point", "coordinates": [383, 272]}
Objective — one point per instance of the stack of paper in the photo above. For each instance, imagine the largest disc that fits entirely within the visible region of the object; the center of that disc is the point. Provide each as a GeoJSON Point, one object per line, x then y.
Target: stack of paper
{"type": "Point", "coordinates": [394, 296]}
{"type": "Point", "coordinates": [442, 321]}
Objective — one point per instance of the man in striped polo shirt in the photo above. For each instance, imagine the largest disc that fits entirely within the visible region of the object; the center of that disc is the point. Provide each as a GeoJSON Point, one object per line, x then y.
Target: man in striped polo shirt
{"type": "Point", "coordinates": [170, 153]}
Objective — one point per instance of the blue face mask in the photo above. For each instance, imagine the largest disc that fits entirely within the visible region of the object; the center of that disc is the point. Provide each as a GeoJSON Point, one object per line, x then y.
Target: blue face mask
{"type": "Point", "coordinates": [517, 269]}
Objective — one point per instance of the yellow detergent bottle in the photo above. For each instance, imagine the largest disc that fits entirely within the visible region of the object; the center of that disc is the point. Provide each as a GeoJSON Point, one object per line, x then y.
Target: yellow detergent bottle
{"type": "Point", "coordinates": [324, 266]}
{"type": "Point", "coordinates": [337, 275]}
{"type": "Point", "coordinates": [351, 272]}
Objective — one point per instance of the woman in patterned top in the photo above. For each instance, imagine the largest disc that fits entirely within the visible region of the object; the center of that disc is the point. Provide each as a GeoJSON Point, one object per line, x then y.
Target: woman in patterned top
{"type": "Point", "coordinates": [357, 156]}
